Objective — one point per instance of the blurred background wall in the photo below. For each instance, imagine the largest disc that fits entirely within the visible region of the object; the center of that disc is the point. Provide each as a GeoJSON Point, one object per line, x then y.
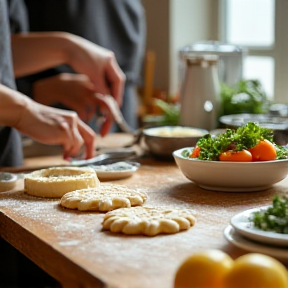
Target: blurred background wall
{"type": "Point", "coordinates": [172, 24]}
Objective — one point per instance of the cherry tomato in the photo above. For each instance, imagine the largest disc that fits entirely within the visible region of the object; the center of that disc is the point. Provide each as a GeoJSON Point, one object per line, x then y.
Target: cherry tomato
{"type": "Point", "coordinates": [236, 156]}
{"type": "Point", "coordinates": [195, 153]}
{"type": "Point", "coordinates": [263, 151]}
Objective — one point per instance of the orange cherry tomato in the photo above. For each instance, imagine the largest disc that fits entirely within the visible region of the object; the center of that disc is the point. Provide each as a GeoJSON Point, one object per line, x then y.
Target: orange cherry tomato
{"type": "Point", "coordinates": [263, 151]}
{"type": "Point", "coordinates": [236, 156]}
{"type": "Point", "coordinates": [195, 153]}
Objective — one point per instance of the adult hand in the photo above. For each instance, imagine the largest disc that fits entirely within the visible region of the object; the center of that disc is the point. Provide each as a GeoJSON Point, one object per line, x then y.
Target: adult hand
{"type": "Point", "coordinates": [55, 126]}
{"type": "Point", "coordinates": [76, 92]}
{"type": "Point", "coordinates": [99, 64]}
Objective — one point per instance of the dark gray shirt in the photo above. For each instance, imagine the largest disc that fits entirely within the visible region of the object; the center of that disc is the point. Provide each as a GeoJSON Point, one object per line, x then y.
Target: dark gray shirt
{"type": "Point", "coordinates": [118, 25]}
{"type": "Point", "coordinates": [10, 140]}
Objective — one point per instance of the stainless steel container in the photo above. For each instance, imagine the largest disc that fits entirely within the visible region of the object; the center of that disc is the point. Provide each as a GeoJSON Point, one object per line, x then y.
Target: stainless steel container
{"type": "Point", "coordinates": [230, 63]}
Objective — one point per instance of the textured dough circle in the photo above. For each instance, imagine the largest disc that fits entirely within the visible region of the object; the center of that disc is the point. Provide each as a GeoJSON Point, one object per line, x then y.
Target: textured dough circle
{"type": "Point", "coordinates": [56, 181]}
{"type": "Point", "coordinates": [149, 221]}
{"type": "Point", "coordinates": [105, 197]}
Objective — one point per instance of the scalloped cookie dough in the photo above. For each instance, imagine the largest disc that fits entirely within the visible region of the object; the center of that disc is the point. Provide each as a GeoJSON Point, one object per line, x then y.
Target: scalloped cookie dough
{"type": "Point", "coordinates": [56, 181]}
{"type": "Point", "coordinates": [149, 221]}
{"type": "Point", "coordinates": [103, 198]}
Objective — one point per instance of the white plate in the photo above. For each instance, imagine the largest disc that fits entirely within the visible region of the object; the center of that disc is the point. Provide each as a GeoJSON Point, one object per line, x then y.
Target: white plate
{"type": "Point", "coordinates": [107, 172]}
{"type": "Point", "coordinates": [236, 239]}
{"type": "Point", "coordinates": [231, 176]}
{"type": "Point", "coordinates": [246, 228]}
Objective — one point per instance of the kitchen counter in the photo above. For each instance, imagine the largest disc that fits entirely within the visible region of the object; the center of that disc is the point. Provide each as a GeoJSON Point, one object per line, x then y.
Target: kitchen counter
{"type": "Point", "coordinates": [72, 248]}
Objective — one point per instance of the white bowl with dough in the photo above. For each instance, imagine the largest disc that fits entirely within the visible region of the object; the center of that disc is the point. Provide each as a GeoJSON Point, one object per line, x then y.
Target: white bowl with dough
{"type": "Point", "coordinates": [163, 140]}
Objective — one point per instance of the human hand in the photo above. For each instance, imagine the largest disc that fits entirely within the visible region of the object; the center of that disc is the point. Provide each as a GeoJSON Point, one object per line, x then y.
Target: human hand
{"type": "Point", "coordinates": [76, 92]}
{"type": "Point", "coordinates": [56, 126]}
{"type": "Point", "coordinates": [99, 64]}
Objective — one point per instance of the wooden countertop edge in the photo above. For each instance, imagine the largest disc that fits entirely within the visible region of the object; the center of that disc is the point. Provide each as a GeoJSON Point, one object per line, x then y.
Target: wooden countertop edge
{"type": "Point", "coordinates": [67, 273]}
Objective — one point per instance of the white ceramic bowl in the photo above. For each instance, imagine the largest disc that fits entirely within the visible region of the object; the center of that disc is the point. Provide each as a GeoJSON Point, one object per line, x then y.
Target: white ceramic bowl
{"type": "Point", "coordinates": [162, 141]}
{"type": "Point", "coordinates": [232, 176]}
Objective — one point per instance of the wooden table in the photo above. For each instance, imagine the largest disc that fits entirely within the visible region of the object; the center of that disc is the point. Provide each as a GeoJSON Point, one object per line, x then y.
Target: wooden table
{"type": "Point", "coordinates": [70, 246]}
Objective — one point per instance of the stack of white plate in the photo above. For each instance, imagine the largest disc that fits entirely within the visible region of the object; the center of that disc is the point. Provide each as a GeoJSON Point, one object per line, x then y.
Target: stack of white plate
{"type": "Point", "coordinates": [243, 234]}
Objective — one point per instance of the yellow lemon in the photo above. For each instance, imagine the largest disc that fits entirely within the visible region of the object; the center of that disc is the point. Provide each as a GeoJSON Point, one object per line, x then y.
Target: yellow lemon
{"type": "Point", "coordinates": [204, 269]}
{"type": "Point", "coordinates": [256, 271]}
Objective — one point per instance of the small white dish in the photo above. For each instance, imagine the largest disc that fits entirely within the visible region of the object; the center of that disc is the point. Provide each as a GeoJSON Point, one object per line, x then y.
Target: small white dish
{"type": "Point", "coordinates": [7, 181]}
{"type": "Point", "coordinates": [239, 241]}
{"type": "Point", "coordinates": [231, 176]}
{"type": "Point", "coordinates": [116, 171]}
{"type": "Point", "coordinates": [244, 226]}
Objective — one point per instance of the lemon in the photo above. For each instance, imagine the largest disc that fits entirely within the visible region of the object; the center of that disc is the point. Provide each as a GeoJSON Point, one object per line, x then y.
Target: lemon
{"type": "Point", "coordinates": [205, 269]}
{"type": "Point", "coordinates": [256, 271]}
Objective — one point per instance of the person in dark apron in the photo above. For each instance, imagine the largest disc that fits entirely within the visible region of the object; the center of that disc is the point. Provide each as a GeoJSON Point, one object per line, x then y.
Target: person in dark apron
{"type": "Point", "coordinates": [11, 155]}
{"type": "Point", "coordinates": [15, 269]}
{"type": "Point", "coordinates": [97, 63]}
{"type": "Point", "coordinates": [118, 25]}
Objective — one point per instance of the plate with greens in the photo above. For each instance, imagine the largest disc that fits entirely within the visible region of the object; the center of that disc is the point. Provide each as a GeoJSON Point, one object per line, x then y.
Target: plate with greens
{"type": "Point", "coordinates": [239, 160]}
{"type": "Point", "coordinates": [267, 224]}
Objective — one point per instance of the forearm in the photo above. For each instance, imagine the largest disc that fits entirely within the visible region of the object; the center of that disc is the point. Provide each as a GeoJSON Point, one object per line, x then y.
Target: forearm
{"type": "Point", "coordinates": [34, 52]}
{"type": "Point", "coordinates": [12, 105]}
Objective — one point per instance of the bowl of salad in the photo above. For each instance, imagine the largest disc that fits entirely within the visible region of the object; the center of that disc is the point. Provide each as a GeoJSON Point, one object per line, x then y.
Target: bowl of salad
{"type": "Point", "coordinates": [238, 160]}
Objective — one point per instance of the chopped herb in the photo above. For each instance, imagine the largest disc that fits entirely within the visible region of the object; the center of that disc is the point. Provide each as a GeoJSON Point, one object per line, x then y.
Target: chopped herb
{"type": "Point", "coordinates": [274, 218]}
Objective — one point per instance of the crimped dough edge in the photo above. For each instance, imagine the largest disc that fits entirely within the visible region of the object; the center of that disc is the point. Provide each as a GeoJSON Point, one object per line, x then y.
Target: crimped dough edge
{"type": "Point", "coordinates": [149, 221]}
{"type": "Point", "coordinates": [103, 198]}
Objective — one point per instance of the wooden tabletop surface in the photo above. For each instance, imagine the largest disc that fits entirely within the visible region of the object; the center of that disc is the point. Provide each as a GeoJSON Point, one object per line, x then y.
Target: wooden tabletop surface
{"type": "Point", "coordinates": [72, 248]}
